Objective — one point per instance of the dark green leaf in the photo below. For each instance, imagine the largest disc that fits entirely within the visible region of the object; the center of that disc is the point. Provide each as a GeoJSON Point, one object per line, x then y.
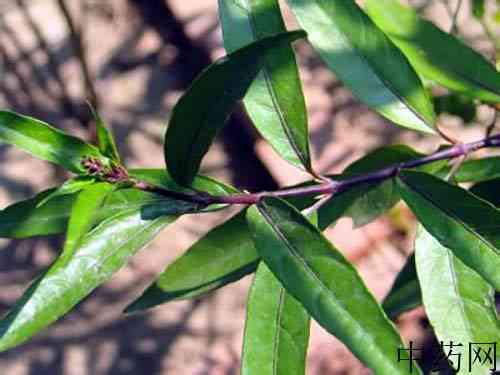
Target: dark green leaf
{"type": "Point", "coordinates": [83, 215]}
{"type": "Point", "coordinates": [435, 54]}
{"type": "Point", "coordinates": [478, 8]}
{"type": "Point", "coordinates": [327, 285]}
{"type": "Point", "coordinates": [276, 329]}
{"type": "Point", "coordinates": [488, 190]}
{"type": "Point", "coordinates": [224, 255]}
{"type": "Point", "coordinates": [467, 225]}
{"type": "Point", "coordinates": [103, 251]}
{"type": "Point", "coordinates": [47, 143]}
{"type": "Point", "coordinates": [71, 186]}
{"type": "Point", "coordinates": [202, 110]}
{"type": "Point", "coordinates": [274, 101]}
{"type": "Point", "coordinates": [105, 139]}
{"type": "Point", "coordinates": [459, 303]}
{"type": "Point", "coordinates": [364, 59]}
{"type": "Point", "coordinates": [457, 105]}
{"type": "Point", "coordinates": [405, 292]}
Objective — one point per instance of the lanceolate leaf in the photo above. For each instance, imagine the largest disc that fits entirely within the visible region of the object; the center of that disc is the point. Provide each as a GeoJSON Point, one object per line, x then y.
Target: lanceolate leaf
{"type": "Point", "coordinates": [202, 110]}
{"type": "Point", "coordinates": [459, 303]}
{"type": "Point", "coordinates": [465, 224]}
{"type": "Point", "coordinates": [405, 292]}
{"type": "Point", "coordinates": [83, 215]}
{"type": "Point", "coordinates": [105, 139]}
{"type": "Point", "coordinates": [435, 54]}
{"type": "Point", "coordinates": [328, 286]}
{"type": "Point", "coordinates": [224, 255]}
{"type": "Point", "coordinates": [276, 329]}
{"type": "Point", "coordinates": [479, 170]}
{"type": "Point", "coordinates": [488, 190]}
{"type": "Point", "coordinates": [274, 101]}
{"type": "Point", "coordinates": [47, 143]}
{"type": "Point", "coordinates": [365, 60]}
{"type": "Point", "coordinates": [71, 186]}
{"type": "Point", "coordinates": [101, 253]}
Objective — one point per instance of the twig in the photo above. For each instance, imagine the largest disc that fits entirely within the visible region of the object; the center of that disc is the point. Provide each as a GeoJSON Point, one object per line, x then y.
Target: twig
{"type": "Point", "coordinates": [330, 187]}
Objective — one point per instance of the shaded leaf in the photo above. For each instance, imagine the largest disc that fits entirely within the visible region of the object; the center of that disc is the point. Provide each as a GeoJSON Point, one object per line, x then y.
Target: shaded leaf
{"type": "Point", "coordinates": [102, 252]}
{"type": "Point", "coordinates": [327, 285]}
{"type": "Point", "coordinates": [365, 60]}
{"type": "Point", "coordinates": [223, 255]}
{"type": "Point", "coordinates": [457, 105]}
{"type": "Point", "coordinates": [478, 8]}
{"type": "Point", "coordinates": [459, 303]}
{"type": "Point", "coordinates": [488, 190]}
{"type": "Point", "coordinates": [274, 101]}
{"type": "Point", "coordinates": [202, 110]}
{"type": "Point", "coordinates": [276, 329]}
{"type": "Point", "coordinates": [405, 292]}
{"type": "Point", "coordinates": [477, 170]}
{"type": "Point", "coordinates": [47, 143]}
{"type": "Point", "coordinates": [435, 54]}
{"type": "Point", "coordinates": [460, 221]}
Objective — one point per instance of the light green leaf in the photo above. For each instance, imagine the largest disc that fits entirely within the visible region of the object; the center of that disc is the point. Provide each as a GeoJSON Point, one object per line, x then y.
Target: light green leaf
{"type": "Point", "coordinates": [405, 292]}
{"type": "Point", "coordinates": [276, 329]}
{"type": "Point", "coordinates": [435, 54]}
{"type": "Point", "coordinates": [47, 143]}
{"type": "Point", "coordinates": [105, 139]}
{"type": "Point", "coordinates": [70, 186]}
{"type": "Point", "coordinates": [274, 101]}
{"type": "Point", "coordinates": [83, 215]}
{"type": "Point", "coordinates": [459, 303]}
{"type": "Point", "coordinates": [202, 111]}
{"type": "Point", "coordinates": [102, 252]}
{"type": "Point", "coordinates": [365, 60]}
{"type": "Point", "coordinates": [465, 224]}
{"type": "Point", "coordinates": [327, 285]}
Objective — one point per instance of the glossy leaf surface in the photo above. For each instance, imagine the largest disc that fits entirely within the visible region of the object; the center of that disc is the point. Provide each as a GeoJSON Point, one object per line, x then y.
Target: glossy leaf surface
{"type": "Point", "coordinates": [45, 142]}
{"type": "Point", "coordinates": [276, 329]}
{"type": "Point", "coordinates": [223, 255]}
{"type": "Point", "coordinates": [71, 186]}
{"type": "Point", "coordinates": [459, 303]}
{"type": "Point", "coordinates": [435, 54]}
{"type": "Point", "coordinates": [274, 101]}
{"type": "Point", "coordinates": [102, 252]}
{"type": "Point", "coordinates": [328, 286]}
{"type": "Point", "coordinates": [105, 139]}
{"type": "Point", "coordinates": [365, 60]}
{"type": "Point", "coordinates": [203, 109]}
{"type": "Point", "coordinates": [405, 292]}
{"type": "Point", "coordinates": [460, 221]}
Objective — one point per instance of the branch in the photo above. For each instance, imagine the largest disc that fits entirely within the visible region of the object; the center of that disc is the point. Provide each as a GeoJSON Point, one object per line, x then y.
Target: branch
{"type": "Point", "coordinates": [330, 187]}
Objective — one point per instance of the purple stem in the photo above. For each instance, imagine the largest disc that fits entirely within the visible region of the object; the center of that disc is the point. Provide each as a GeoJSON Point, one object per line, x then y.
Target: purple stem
{"type": "Point", "coordinates": [330, 187]}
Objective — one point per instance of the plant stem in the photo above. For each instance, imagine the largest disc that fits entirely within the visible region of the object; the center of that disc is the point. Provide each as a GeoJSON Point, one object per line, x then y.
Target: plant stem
{"type": "Point", "coordinates": [330, 187]}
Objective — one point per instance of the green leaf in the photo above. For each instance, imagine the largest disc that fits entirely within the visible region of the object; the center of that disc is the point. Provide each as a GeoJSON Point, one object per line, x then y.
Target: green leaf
{"type": "Point", "coordinates": [202, 110]}
{"type": "Point", "coordinates": [478, 8]}
{"type": "Point", "coordinates": [405, 292]}
{"type": "Point", "coordinates": [457, 105]}
{"type": "Point", "coordinates": [467, 225]}
{"type": "Point", "coordinates": [83, 215]}
{"type": "Point", "coordinates": [47, 143]}
{"type": "Point", "coordinates": [327, 285]}
{"type": "Point", "coordinates": [477, 170]}
{"type": "Point", "coordinates": [71, 186]}
{"type": "Point", "coordinates": [105, 139]}
{"type": "Point", "coordinates": [365, 60]}
{"type": "Point", "coordinates": [274, 101]}
{"type": "Point", "coordinates": [276, 329]}
{"type": "Point", "coordinates": [223, 255]}
{"type": "Point", "coordinates": [488, 190]}
{"type": "Point", "coordinates": [459, 303]}
{"type": "Point", "coordinates": [102, 252]}
{"type": "Point", "coordinates": [435, 54]}
{"type": "Point", "coordinates": [27, 218]}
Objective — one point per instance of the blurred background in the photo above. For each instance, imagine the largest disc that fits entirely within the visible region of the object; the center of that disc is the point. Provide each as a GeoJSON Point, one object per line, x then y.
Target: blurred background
{"type": "Point", "coordinates": [132, 59]}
